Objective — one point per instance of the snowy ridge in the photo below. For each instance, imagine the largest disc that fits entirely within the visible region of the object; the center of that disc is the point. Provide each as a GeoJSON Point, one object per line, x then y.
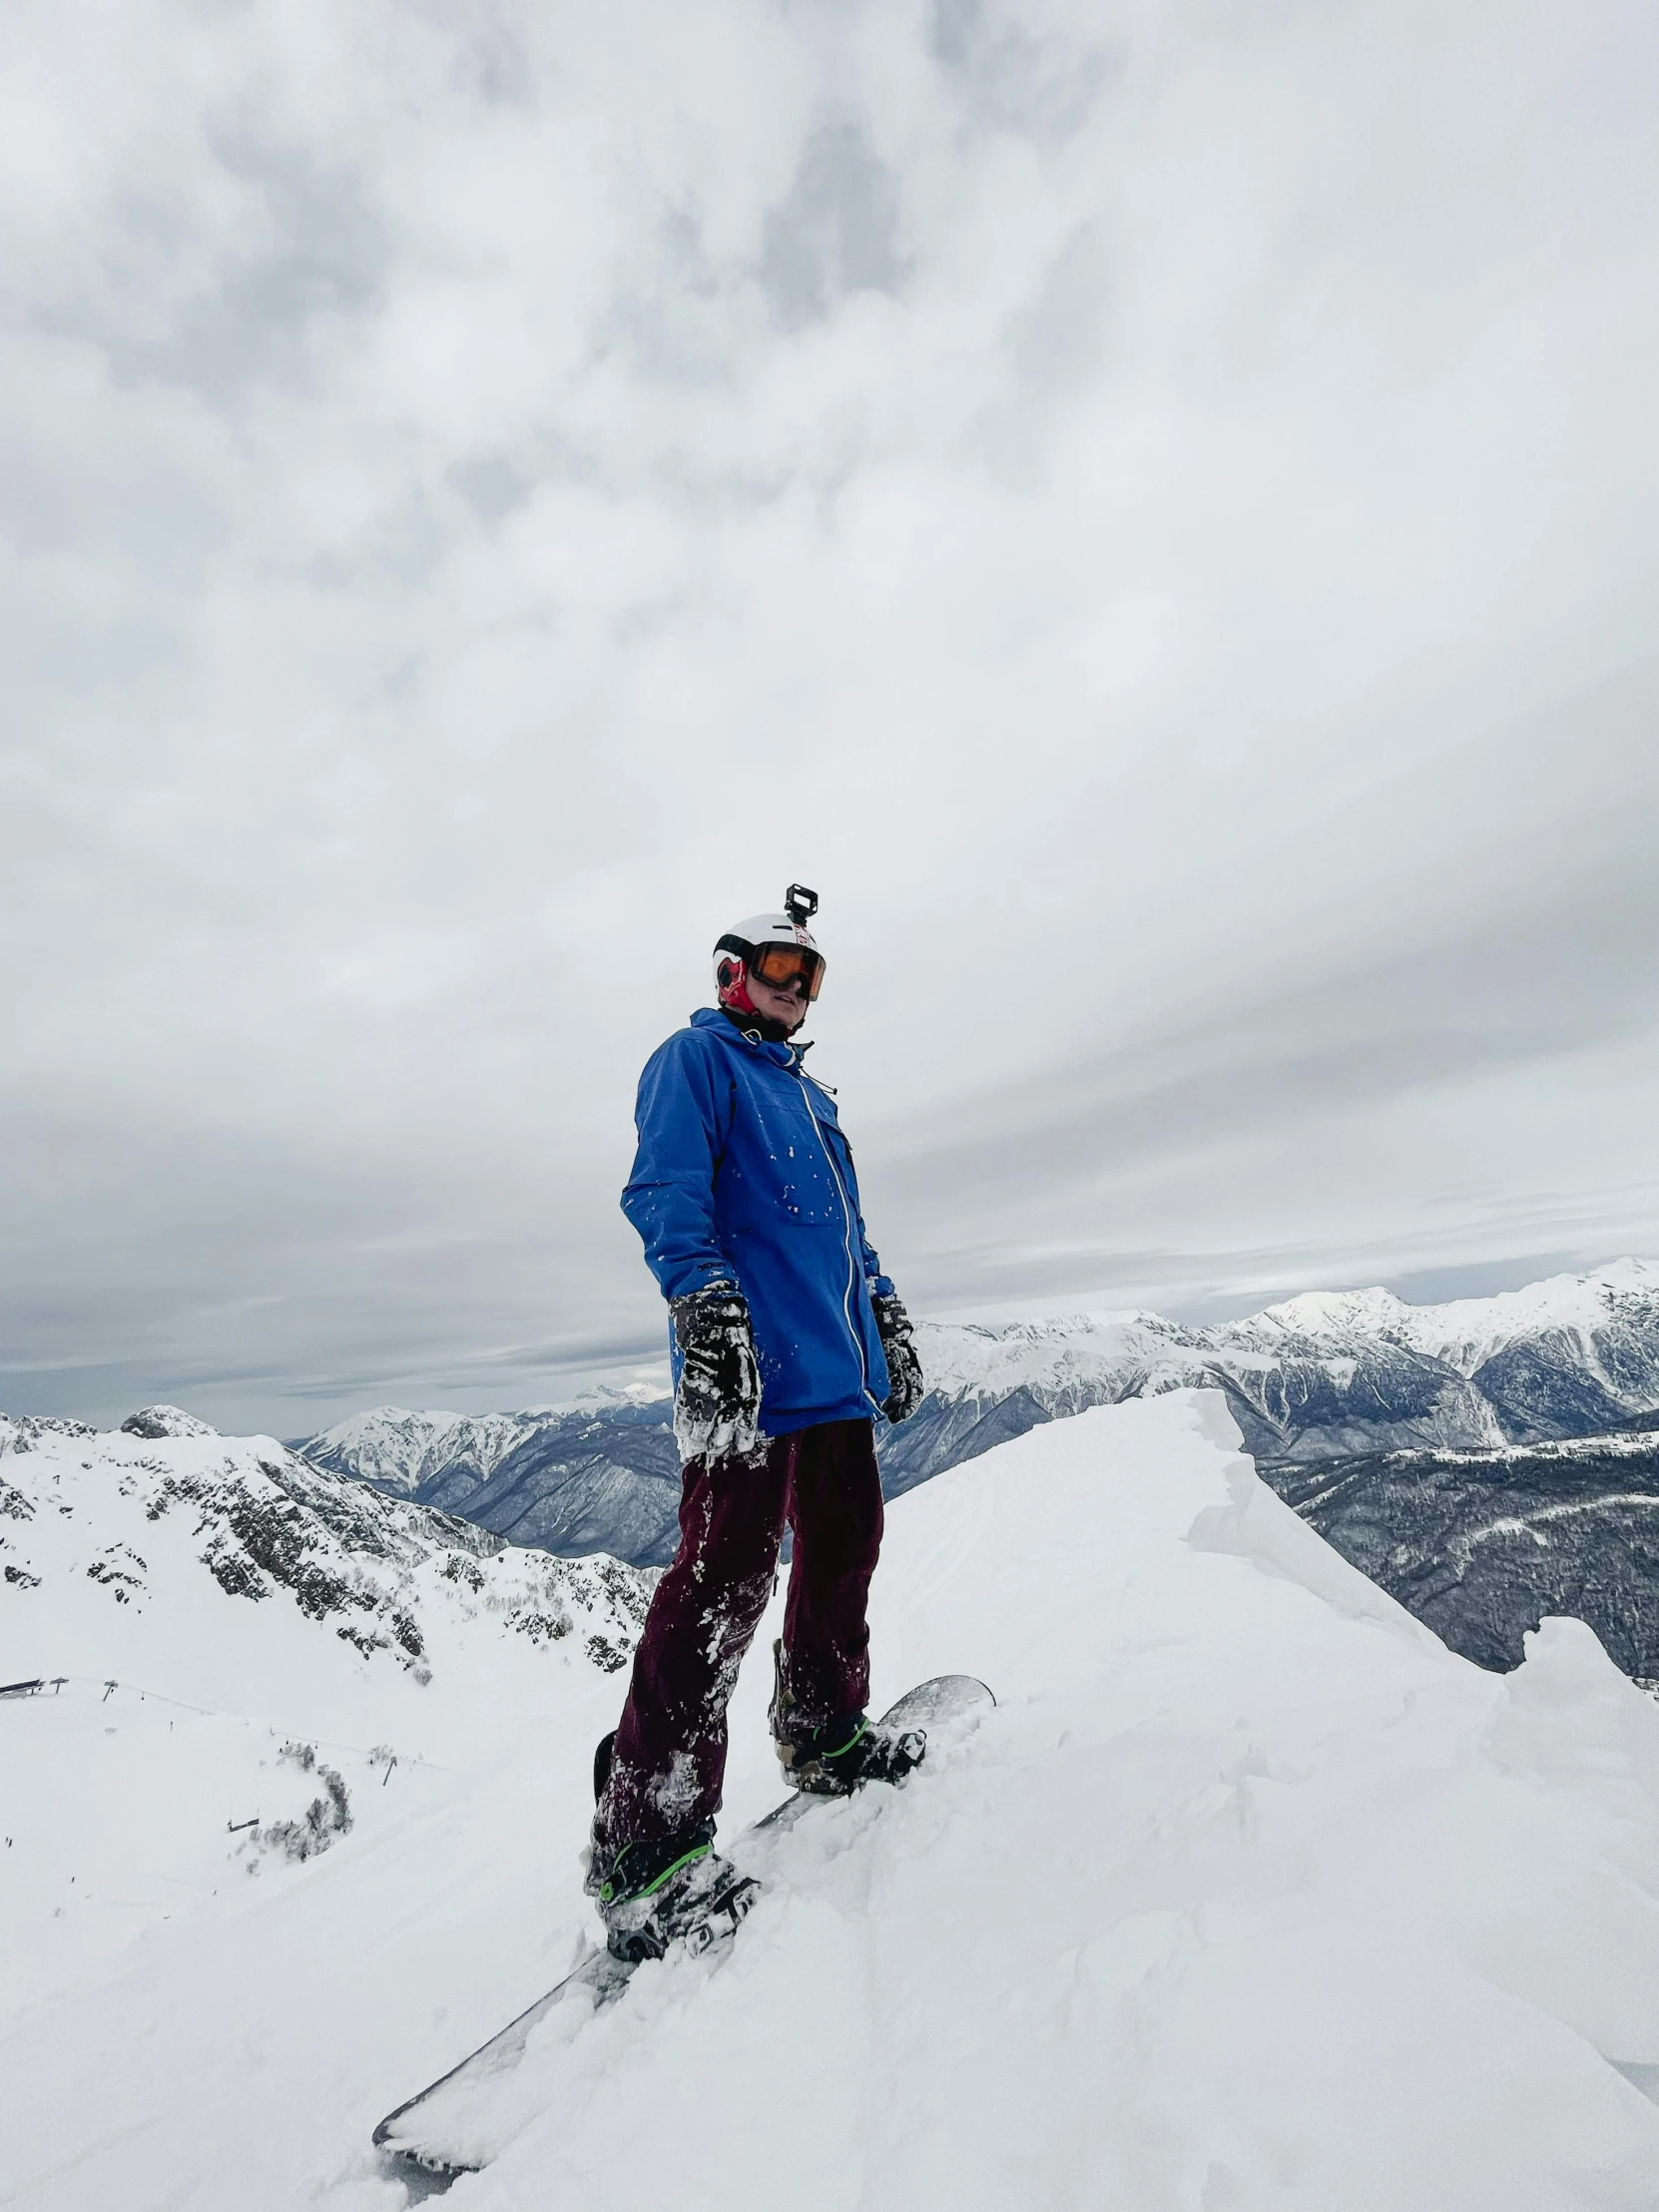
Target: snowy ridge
{"type": "Point", "coordinates": [1469, 1330]}
{"type": "Point", "coordinates": [1248, 1895]}
{"type": "Point", "coordinates": [1049, 1354]}
{"type": "Point", "coordinates": [399, 1451]}
{"type": "Point", "coordinates": [1339, 1372]}
{"type": "Point", "coordinates": [1068, 1352]}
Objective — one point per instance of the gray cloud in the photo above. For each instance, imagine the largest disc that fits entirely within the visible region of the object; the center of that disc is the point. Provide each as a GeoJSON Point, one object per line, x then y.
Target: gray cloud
{"type": "Point", "coordinates": [834, 232]}
{"type": "Point", "coordinates": [1043, 88]}
{"type": "Point", "coordinates": [1162, 530]}
{"type": "Point", "coordinates": [671, 321]}
{"type": "Point", "coordinates": [1543, 947]}
{"type": "Point", "coordinates": [1365, 1036]}
{"type": "Point", "coordinates": [311, 250]}
{"type": "Point", "coordinates": [491, 55]}
{"type": "Point", "coordinates": [235, 1270]}
{"type": "Point", "coordinates": [492, 486]}
{"type": "Point", "coordinates": [1055, 342]}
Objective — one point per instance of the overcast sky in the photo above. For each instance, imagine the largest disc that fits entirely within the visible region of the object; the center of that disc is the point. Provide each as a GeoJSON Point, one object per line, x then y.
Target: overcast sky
{"type": "Point", "coordinates": [1152, 509]}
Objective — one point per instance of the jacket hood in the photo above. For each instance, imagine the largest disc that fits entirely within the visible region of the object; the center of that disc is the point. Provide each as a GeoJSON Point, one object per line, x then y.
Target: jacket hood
{"type": "Point", "coordinates": [782, 1055]}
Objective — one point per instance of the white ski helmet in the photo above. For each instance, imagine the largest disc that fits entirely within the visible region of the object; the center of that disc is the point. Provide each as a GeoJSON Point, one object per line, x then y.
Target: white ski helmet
{"type": "Point", "coordinates": [778, 948]}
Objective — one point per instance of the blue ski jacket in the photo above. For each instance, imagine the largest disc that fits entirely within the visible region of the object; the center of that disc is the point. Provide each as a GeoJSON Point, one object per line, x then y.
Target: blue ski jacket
{"type": "Point", "coordinates": [743, 1175]}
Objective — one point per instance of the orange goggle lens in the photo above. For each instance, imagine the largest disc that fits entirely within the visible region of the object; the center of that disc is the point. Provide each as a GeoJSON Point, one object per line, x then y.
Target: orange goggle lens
{"type": "Point", "coordinates": [783, 966]}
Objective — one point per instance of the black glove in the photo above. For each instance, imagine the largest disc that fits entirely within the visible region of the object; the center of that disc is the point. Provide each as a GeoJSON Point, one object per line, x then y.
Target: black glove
{"type": "Point", "coordinates": [717, 1405]}
{"type": "Point", "coordinates": [899, 1341]}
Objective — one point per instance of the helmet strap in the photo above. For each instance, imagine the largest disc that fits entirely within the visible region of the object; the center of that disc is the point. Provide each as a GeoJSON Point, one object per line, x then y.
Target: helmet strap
{"type": "Point", "coordinates": [740, 1010]}
{"type": "Point", "coordinates": [755, 1024]}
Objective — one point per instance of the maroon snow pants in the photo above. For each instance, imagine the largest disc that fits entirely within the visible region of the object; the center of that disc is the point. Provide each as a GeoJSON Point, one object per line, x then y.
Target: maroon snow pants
{"type": "Point", "coordinates": [669, 1753]}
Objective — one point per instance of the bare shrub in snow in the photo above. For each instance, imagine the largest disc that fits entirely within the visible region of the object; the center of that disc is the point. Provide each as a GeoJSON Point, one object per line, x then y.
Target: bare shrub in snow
{"type": "Point", "coordinates": [608, 1657]}
{"type": "Point", "coordinates": [235, 1572]}
{"type": "Point", "coordinates": [325, 1819]}
{"type": "Point", "coordinates": [114, 1568]}
{"type": "Point", "coordinates": [536, 1625]}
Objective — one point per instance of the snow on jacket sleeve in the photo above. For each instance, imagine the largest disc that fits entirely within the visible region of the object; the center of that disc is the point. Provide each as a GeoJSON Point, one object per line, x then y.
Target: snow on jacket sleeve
{"type": "Point", "coordinates": [683, 1115]}
{"type": "Point", "coordinates": [877, 1284]}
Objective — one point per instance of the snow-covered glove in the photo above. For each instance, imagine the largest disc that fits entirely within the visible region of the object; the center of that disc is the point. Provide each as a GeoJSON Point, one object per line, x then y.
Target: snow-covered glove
{"type": "Point", "coordinates": [899, 1341]}
{"type": "Point", "coordinates": [718, 1403]}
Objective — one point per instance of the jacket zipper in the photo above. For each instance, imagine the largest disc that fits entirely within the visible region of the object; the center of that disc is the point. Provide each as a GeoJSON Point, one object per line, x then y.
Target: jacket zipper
{"type": "Point", "coordinates": [851, 1257]}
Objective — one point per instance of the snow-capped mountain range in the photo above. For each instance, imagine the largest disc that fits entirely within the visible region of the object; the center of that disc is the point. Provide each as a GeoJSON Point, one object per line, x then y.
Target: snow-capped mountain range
{"type": "Point", "coordinates": [603, 1476]}
{"type": "Point", "coordinates": [1323, 1376]}
{"type": "Point", "coordinates": [1334, 1373]}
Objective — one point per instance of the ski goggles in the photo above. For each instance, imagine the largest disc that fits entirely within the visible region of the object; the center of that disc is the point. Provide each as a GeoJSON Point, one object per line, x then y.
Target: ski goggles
{"type": "Point", "coordinates": [785, 965]}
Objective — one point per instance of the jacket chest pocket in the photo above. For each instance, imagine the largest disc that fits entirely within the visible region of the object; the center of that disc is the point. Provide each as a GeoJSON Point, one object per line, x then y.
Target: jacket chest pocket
{"type": "Point", "coordinates": [807, 1191]}
{"type": "Point", "coordinates": [799, 1176]}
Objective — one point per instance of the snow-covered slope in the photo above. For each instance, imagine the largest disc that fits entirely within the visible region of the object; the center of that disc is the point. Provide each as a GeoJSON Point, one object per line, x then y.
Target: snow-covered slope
{"type": "Point", "coordinates": [231, 1557]}
{"type": "Point", "coordinates": [1248, 1896]}
{"type": "Point", "coordinates": [194, 1604]}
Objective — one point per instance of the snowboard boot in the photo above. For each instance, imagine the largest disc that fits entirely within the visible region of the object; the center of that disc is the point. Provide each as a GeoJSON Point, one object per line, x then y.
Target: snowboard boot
{"type": "Point", "coordinates": [843, 1755]}
{"type": "Point", "coordinates": [663, 1889]}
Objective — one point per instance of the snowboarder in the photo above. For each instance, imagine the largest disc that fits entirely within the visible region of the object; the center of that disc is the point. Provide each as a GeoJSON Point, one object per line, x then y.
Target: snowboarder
{"type": "Point", "coordinates": [787, 1341]}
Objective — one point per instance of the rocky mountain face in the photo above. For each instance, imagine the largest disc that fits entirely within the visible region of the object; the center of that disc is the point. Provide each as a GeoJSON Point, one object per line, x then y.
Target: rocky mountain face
{"type": "Point", "coordinates": [603, 1476]}
{"type": "Point", "coordinates": [166, 1518]}
{"type": "Point", "coordinates": [1484, 1544]}
{"type": "Point", "coordinates": [434, 1457]}
{"type": "Point", "coordinates": [1324, 1376]}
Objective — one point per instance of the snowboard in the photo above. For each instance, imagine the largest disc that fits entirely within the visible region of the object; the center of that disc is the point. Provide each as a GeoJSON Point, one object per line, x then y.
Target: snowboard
{"type": "Point", "coordinates": [448, 2129]}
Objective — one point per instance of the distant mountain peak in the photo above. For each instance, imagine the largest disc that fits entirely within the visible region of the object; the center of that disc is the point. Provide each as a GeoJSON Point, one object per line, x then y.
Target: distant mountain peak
{"type": "Point", "coordinates": [153, 1422]}
{"type": "Point", "coordinates": [611, 1394]}
{"type": "Point", "coordinates": [1370, 1312]}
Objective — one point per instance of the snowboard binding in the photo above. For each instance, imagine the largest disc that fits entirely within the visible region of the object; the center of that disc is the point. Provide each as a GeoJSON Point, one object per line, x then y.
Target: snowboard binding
{"type": "Point", "coordinates": [842, 1756]}
{"type": "Point", "coordinates": [663, 1889]}
{"type": "Point", "coordinates": [697, 1907]}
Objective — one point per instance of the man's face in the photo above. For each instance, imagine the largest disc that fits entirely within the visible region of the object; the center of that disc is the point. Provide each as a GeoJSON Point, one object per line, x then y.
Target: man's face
{"type": "Point", "coordinates": [787, 1005]}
